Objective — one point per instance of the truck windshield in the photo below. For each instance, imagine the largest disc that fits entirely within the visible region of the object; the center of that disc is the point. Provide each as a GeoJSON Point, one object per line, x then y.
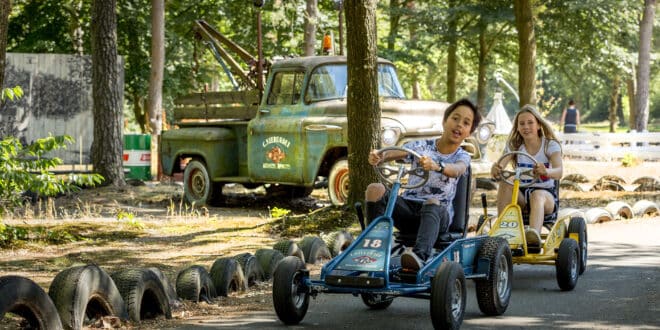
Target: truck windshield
{"type": "Point", "coordinates": [331, 82]}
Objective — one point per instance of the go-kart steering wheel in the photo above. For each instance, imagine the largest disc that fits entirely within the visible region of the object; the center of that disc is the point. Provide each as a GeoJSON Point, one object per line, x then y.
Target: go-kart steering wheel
{"type": "Point", "coordinates": [386, 173]}
{"type": "Point", "coordinates": [510, 168]}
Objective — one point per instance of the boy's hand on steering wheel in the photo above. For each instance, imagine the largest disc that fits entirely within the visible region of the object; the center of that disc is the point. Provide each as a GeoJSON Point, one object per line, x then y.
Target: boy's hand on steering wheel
{"type": "Point", "coordinates": [428, 164]}
{"type": "Point", "coordinates": [374, 158]}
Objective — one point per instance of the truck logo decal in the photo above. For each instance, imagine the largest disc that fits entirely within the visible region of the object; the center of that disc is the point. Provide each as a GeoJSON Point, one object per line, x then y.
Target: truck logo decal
{"type": "Point", "coordinates": [276, 154]}
{"type": "Point", "coordinates": [277, 139]}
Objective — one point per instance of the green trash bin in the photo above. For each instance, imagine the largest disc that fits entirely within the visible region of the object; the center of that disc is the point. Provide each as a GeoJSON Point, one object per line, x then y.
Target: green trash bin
{"type": "Point", "coordinates": [137, 156]}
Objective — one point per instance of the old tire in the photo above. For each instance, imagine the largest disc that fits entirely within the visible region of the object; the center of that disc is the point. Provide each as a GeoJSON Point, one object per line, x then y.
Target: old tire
{"type": "Point", "coordinates": [376, 302]}
{"type": "Point", "coordinates": [170, 291]}
{"type": "Point", "coordinates": [338, 188]}
{"type": "Point", "coordinates": [493, 293]}
{"type": "Point", "coordinates": [567, 264]}
{"type": "Point", "coordinates": [290, 303]}
{"type": "Point", "coordinates": [143, 293]}
{"type": "Point", "coordinates": [24, 297]}
{"type": "Point", "coordinates": [268, 259]}
{"type": "Point", "coordinates": [85, 292]}
{"type": "Point", "coordinates": [227, 276]}
{"type": "Point", "coordinates": [448, 296]}
{"type": "Point", "coordinates": [198, 189]}
{"type": "Point", "coordinates": [578, 226]}
{"type": "Point", "coordinates": [251, 269]}
{"type": "Point", "coordinates": [289, 248]}
{"type": "Point", "coordinates": [194, 283]}
{"type": "Point", "coordinates": [314, 249]}
{"type": "Point", "coordinates": [338, 241]}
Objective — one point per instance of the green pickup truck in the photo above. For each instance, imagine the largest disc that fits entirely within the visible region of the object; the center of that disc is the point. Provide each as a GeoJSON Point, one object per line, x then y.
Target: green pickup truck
{"type": "Point", "coordinates": [293, 138]}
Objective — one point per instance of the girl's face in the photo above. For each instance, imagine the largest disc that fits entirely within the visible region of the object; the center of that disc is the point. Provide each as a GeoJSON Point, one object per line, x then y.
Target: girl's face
{"type": "Point", "coordinates": [528, 126]}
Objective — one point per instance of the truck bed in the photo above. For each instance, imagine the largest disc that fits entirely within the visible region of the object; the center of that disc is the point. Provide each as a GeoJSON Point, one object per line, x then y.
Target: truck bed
{"type": "Point", "coordinates": [211, 108]}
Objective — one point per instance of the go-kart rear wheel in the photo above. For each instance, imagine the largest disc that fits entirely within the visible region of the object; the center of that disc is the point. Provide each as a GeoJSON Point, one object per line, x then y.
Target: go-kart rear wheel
{"type": "Point", "coordinates": [579, 226]}
{"type": "Point", "coordinates": [289, 297]}
{"type": "Point", "coordinates": [376, 301]}
{"type": "Point", "coordinates": [448, 296]}
{"type": "Point", "coordinates": [567, 264]}
{"type": "Point", "coordinates": [493, 293]}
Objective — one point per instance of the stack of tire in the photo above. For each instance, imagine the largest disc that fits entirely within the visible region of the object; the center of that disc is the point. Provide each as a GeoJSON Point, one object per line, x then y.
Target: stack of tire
{"type": "Point", "coordinates": [87, 296]}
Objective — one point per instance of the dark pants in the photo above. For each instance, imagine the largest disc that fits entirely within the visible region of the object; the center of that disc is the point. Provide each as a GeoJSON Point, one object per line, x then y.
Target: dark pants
{"type": "Point", "coordinates": [426, 221]}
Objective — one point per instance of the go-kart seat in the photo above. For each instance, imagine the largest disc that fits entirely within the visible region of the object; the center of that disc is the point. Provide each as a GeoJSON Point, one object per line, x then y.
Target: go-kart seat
{"type": "Point", "coordinates": [549, 219]}
{"type": "Point", "coordinates": [458, 227]}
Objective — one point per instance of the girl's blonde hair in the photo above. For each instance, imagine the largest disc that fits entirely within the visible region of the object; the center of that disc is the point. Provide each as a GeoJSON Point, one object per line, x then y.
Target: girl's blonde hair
{"type": "Point", "coordinates": [516, 140]}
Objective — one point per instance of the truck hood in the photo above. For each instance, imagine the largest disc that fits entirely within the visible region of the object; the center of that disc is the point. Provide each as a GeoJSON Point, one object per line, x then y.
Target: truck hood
{"type": "Point", "coordinates": [413, 117]}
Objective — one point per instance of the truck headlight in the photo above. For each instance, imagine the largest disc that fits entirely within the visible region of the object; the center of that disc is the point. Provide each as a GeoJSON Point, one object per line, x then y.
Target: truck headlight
{"type": "Point", "coordinates": [389, 136]}
{"type": "Point", "coordinates": [484, 132]}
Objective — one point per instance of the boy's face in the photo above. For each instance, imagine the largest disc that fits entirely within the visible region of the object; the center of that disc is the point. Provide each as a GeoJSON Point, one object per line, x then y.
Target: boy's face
{"type": "Point", "coordinates": [458, 125]}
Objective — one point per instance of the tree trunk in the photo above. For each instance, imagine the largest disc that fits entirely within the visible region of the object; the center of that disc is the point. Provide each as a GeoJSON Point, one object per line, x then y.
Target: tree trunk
{"type": "Point", "coordinates": [527, 51]}
{"type": "Point", "coordinates": [630, 84]}
{"type": "Point", "coordinates": [5, 9]}
{"type": "Point", "coordinates": [155, 98]}
{"type": "Point", "coordinates": [75, 27]}
{"type": "Point", "coordinates": [107, 147]}
{"type": "Point", "coordinates": [363, 108]}
{"type": "Point", "coordinates": [643, 75]}
{"type": "Point", "coordinates": [452, 48]}
{"type": "Point", "coordinates": [395, 18]}
{"type": "Point", "coordinates": [310, 27]}
{"type": "Point", "coordinates": [483, 67]}
{"type": "Point", "coordinates": [614, 103]}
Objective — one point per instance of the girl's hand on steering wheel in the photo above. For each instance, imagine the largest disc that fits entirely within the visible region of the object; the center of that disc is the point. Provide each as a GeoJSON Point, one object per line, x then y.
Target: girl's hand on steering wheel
{"type": "Point", "coordinates": [495, 171]}
{"type": "Point", "coordinates": [540, 170]}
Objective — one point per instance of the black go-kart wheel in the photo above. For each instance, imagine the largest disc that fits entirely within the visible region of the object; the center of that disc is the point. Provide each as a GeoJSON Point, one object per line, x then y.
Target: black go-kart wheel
{"type": "Point", "coordinates": [290, 301]}
{"type": "Point", "coordinates": [493, 293]}
{"type": "Point", "coordinates": [579, 226]}
{"type": "Point", "coordinates": [376, 301]}
{"type": "Point", "coordinates": [567, 264]}
{"type": "Point", "coordinates": [448, 296]}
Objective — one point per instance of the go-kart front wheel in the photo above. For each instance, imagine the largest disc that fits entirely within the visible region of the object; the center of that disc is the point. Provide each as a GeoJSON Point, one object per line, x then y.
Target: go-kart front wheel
{"type": "Point", "coordinates": [493, 292]}
{"type": "Point", "coordinates": [376, 301]}
{"type": "Point", "coordinates": [448, 296]}
{"type": "Point", "coordinates": [579, 226]}
{"type": "Point", "coordinates": [289, 297]}
{"type": "Point", "coordinates": [567, 264]}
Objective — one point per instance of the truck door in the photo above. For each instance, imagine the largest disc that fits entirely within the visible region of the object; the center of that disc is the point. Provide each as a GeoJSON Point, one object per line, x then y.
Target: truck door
{"type": "Point", "coordinates": [275, 135]}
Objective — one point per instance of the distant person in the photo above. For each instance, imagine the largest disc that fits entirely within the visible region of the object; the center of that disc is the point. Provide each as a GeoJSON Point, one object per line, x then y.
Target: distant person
{"type": "Point", "coordinates": [570, 118]}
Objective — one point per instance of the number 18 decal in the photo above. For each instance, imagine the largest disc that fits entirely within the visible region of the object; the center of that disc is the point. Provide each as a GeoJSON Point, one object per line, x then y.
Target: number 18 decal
{"type": "Point", "coordinates": [376, 243]}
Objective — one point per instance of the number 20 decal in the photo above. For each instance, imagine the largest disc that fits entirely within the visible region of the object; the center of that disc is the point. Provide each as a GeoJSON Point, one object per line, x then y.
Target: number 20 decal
{"type": "Point", "coordinates": [372, 243]}
{"type": "Point", "coordinates": [511, 224]}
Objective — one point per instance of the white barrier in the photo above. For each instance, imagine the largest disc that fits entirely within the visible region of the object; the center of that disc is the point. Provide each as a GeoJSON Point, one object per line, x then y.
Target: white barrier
{"type": "Point", "coordinates": [611, 146]}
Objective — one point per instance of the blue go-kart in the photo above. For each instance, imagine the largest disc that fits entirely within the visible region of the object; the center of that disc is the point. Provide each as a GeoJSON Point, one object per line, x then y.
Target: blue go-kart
{"type": "Point", "coordinates": [370, 267]}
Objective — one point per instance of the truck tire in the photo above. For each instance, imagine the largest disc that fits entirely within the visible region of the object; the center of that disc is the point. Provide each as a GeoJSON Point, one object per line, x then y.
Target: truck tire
{"type": "Point", "coordinates": [338, 182]}
{"type": "Point", "coordinates": [85, 292]}
{"type": "Point", "coordinates": [25, 298]}
{"type": "Point", "coordinates": [448, 296]}
{"type": "Point", "coordinates": [314, 249]}
{"type": "Point", "coordinates": [194, 283]}
{"type": "Point", "coordinates": [227, 276]}
{"type": "Point", "coordinates": [567, 264]}
{"type": "Point", "coordinates": [268, 259]}
{"type": "Point", "coordinates": [143, 293]}
{"type": "Point", "coordinates": [198, 188]}
{"type": "Point", "coordinates": [494, 291]}
{"type": "Point", "coordinates": [290, 303]}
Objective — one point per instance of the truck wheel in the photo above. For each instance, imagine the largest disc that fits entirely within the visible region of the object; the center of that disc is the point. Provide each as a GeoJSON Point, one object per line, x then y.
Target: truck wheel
{"type": "Point", "coordinates": [268, 260]}
{"type": "Point", "coordinates": [567, 264]}
{"type": "Point", "coordinates": [198, 188]}
{"type": "Point", "coordinates": [376, 302]}
{"type": "Point", "coordinates": [25, 298]}
{"type": "Point", "coordinates": [143, 293]}
{"type": "Point", "coordinates": [83, 293]}
{"type": "Point", "coordinates": [338, 182]}
{"type": "Point", "coordinates": [314, 249]}
{"type": "Point", "coordinates": [290, 300]}
{"type": "Point", "coordinates": [493, 292]}
{"type": "Point", "coordinates": [579, 226]}
{"type": "Point", "coordinates": [448, 296]}
{"type": "Point", "coordinates": [194, 283]}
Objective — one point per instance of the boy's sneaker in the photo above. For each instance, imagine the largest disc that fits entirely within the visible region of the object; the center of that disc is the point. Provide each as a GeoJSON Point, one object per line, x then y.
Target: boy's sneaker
{"type": "Point", "coordinates": [532, 236]}
{"type": "Point", "coordinates": [410, 261]}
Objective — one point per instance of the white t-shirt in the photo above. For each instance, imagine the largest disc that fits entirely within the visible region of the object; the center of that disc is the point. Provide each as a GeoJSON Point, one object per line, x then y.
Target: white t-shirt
{"type": "Point", "coordinates": [542, 156]}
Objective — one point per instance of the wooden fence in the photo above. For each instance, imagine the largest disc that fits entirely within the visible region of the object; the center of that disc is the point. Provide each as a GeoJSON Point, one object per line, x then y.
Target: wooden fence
{"type": "Point", "coordinates": [611, 146]}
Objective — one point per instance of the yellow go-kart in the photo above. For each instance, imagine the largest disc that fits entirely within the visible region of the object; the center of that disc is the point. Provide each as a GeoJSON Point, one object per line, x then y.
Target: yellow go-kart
{"type": "Point", "coordinates": [563, 240]}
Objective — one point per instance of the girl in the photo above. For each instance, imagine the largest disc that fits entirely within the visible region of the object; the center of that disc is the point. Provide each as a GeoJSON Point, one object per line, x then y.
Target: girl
{"type": "Point", "coordinates": [533, 135]}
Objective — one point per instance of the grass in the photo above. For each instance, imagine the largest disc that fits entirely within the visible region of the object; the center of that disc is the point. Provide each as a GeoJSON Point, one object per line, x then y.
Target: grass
{"type": "Point", "coordinates": [604, 126]}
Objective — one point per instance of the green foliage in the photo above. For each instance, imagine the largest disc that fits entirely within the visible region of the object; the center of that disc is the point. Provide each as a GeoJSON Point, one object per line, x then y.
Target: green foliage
{"type": "Point", "coordinates": [17, 235]}
{"type": "Point", "coordinates": [12, 93]}
{"type": "Point", "coordinates": [277, 212]}
{"type": "Point", "coordinates": [27, 169]}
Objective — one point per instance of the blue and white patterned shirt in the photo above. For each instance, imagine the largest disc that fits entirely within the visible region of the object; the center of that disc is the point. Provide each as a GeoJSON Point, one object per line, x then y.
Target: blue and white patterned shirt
{"type": "Point", "coordinates": [439, 186]}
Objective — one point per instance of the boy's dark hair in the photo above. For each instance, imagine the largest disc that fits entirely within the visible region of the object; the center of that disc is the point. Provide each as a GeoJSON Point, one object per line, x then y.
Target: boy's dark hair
{"type": "Point", "coordinates": [571, 102]}
{"type": "Point", "coordinates": [469, 104]}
